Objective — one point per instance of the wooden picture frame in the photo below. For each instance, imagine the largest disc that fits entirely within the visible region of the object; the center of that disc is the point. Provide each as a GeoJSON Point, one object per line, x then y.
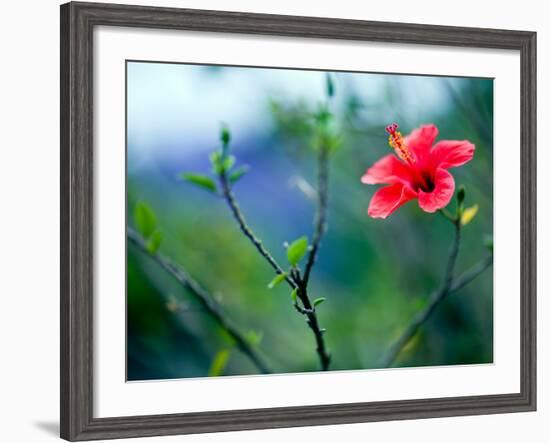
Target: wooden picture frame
{"type": "Point", "coordinates": [77, 23]}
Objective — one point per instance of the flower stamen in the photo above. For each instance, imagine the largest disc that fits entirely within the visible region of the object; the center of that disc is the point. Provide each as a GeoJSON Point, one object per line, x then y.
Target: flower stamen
{"type": "Point", "coordinates": [397, 142]}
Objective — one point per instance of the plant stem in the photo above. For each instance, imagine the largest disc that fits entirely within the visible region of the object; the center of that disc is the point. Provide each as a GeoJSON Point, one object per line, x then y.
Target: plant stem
{"type": "Point", "coordinates": [471, 274]}
{"type": "Point", "coordinates": [320, 222]}
{"type": "Point", "coordinates": [246, 230]}
{"type": "Point", "coordinates": [313, 323]}
{"type": "Point", "coordinates": [293, 279]}
{"type": "Point", "coordinates": [206, 300]}
{"type": "Point", "coordinates": [448, 286]}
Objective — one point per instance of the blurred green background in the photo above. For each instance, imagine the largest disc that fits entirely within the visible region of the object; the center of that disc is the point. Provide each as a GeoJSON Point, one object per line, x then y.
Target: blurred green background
{"type": "Point", "coordinates": [375, 274]}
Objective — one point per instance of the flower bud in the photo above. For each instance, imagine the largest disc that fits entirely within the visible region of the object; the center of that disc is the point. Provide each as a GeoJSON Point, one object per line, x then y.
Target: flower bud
{"type": "Point", "coordinates": [330, 85]}
{"type": "Point", "coordinates": [225, 135]}
{"type": "Point", "coordinates": [460, 194]}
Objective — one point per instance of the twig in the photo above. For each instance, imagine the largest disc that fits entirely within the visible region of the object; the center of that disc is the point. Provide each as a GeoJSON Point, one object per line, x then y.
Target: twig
{"type": "Point", "coordinates": [320, 223]}
{"type": "Point", "coordinates": [293, 280]}
{"type": "Point", "coordinates": [448, 286]}
{"type": "Point", "coordinates": [247, 231]}
{"type": "Point", "coordinates": [309, 311]}
{"type": "Point", "coordinates": [471, 274]}
{"type": "Point", "coordinates": [204, 298]}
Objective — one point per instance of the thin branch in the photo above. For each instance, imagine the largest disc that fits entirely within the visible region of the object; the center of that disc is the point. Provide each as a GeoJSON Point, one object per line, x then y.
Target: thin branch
{"type": "Point", "coordinates": [246, 230]}
{"type": "Point", "coordinates": [293, 280]}
{"type": "Point", "coordinates": [471, 274]}
{"type": "Point", "coordinates": [313, 323]}
{"type": "Point", "coordinates": [320, 222]}
{"type": "Point", "coordinates": [448, 286]}
{"type": "Point", "coordinates": [205, 299]}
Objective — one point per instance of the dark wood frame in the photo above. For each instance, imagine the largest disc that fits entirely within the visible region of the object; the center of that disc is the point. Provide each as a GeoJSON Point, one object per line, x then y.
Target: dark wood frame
{"type": "Point", "coordinates": [77, 23]}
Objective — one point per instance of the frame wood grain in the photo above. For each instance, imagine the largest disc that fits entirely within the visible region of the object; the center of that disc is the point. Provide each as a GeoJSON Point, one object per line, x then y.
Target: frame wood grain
{"type": "Point", "coordinates": [77, 24]}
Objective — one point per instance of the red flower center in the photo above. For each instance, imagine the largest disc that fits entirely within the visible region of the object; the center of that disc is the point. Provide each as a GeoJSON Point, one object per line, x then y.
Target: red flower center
{"type": "Point", "coordinates": [425, 181]}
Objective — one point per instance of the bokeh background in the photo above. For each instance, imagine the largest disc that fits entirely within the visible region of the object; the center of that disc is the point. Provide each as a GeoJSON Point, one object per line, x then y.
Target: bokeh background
{"type": "Point", "coordinates": [375, 274]}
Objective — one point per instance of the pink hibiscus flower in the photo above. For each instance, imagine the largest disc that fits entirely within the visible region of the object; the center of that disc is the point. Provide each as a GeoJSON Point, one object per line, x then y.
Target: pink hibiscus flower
{"type": "Point", "coordinates": [420, 170]}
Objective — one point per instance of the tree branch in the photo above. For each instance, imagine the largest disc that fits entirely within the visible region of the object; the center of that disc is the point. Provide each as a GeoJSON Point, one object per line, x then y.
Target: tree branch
{"type": "Point", "coordinates": [448, 286]}
{"type": "Point", "coordinates": [204, 298]}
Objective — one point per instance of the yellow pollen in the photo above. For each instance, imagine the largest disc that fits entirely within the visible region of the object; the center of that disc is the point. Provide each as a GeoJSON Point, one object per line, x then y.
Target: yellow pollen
{"type": "Point", "coordinates": [397, 142]}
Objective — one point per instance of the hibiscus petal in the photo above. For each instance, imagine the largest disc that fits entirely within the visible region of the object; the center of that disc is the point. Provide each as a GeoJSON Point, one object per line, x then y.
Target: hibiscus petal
{"type": "Point", "coordinates": [388, 199]}
{"type": "Point", "coordinates": [421, 140]}
{"type": "Point", "coordinates": [444, 188]}
{"type": "Point", "coordinates": [387, 170]}
{"type": "Point", "coordinates": [451, 153]}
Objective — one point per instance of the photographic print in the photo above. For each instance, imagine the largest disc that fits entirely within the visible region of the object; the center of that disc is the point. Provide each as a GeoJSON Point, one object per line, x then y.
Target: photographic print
{"type": "Point", "coordinates": [290, 221]}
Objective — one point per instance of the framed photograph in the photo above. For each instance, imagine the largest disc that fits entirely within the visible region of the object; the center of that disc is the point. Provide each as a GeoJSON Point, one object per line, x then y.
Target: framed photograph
{"type": "Point", "coordinates": [272, 221]}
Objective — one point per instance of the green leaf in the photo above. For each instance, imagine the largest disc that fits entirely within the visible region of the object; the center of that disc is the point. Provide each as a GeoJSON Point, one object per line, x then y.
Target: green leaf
{"type": "Point", "coordinates": [220, 162]}
{"type": "Point", "coordinates": [254, 337]}
{"type": "Point", "coordinates": [322, 117]}
{"type": "Point", "coordinates": [294, 295]}
{"type": "Point", "coordinates": [238, 173]}
{"type": "Point", "coordinates": [228, 162]}
{"type": "Point", "coordinates": [318, 301]}
{"type": "Point", "coordinates": [219, 363]}
{"type": "Point", "coordinates": [154, 242]}
{"type": "Point", "coordinates": [200, 180]}
{"type": "Point", "coordinates": [297, 250]}
{"type": "Point", "coordinates": [145, 219]}
{"type": "Point", "coordinates": [278, 279]}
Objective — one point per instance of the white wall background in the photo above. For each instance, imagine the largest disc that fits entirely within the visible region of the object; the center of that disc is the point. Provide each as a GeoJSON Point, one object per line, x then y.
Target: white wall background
{"type": "Point", "coordinates": [29, 227]}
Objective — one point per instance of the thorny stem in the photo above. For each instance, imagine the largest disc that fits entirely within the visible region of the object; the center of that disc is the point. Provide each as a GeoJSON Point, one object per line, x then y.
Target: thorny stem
{"type": "Point", "coordinates": [449, 285]}
{"type": "Point", "coordinates": [205, 299]}
{"type": "Point", "coordinates": [294, 280]}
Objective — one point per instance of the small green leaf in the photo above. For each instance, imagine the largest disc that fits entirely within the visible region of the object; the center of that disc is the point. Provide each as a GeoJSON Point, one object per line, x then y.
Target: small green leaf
{"type": "Point", "coordinates": [297, 250]}
{"type": "Point", "coordinates": [219, 363]}
{"type": "Point", "coordinates": [468, 214]}
{"type": "Point", "coordinates": [228, 162]}
{"type": "Point", "coordinates": [238, 173]}
{"type": "Point", "coordinates": [200, 180]}
{"type": "Point", "coordinates": [154, 242]}
{"type": "Point", "coordinates": [221, 162]}
{"type": "Point", "coordinates": [318, 301]}
{"type": "Point", "coordinates": [278, 279]}
{"type": "Point", "coordinates": [215, 157]}
{"type": "Point", "coordinates": [145, 219]}
{"type": "Point", "coordinates": [294, 295]}
{"type": "Point", "coordinates": [254, 337]}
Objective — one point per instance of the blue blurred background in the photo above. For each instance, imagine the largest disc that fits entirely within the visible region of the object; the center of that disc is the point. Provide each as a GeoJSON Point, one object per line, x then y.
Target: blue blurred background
{"type": "Point", "coordinates": [375, 274]}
